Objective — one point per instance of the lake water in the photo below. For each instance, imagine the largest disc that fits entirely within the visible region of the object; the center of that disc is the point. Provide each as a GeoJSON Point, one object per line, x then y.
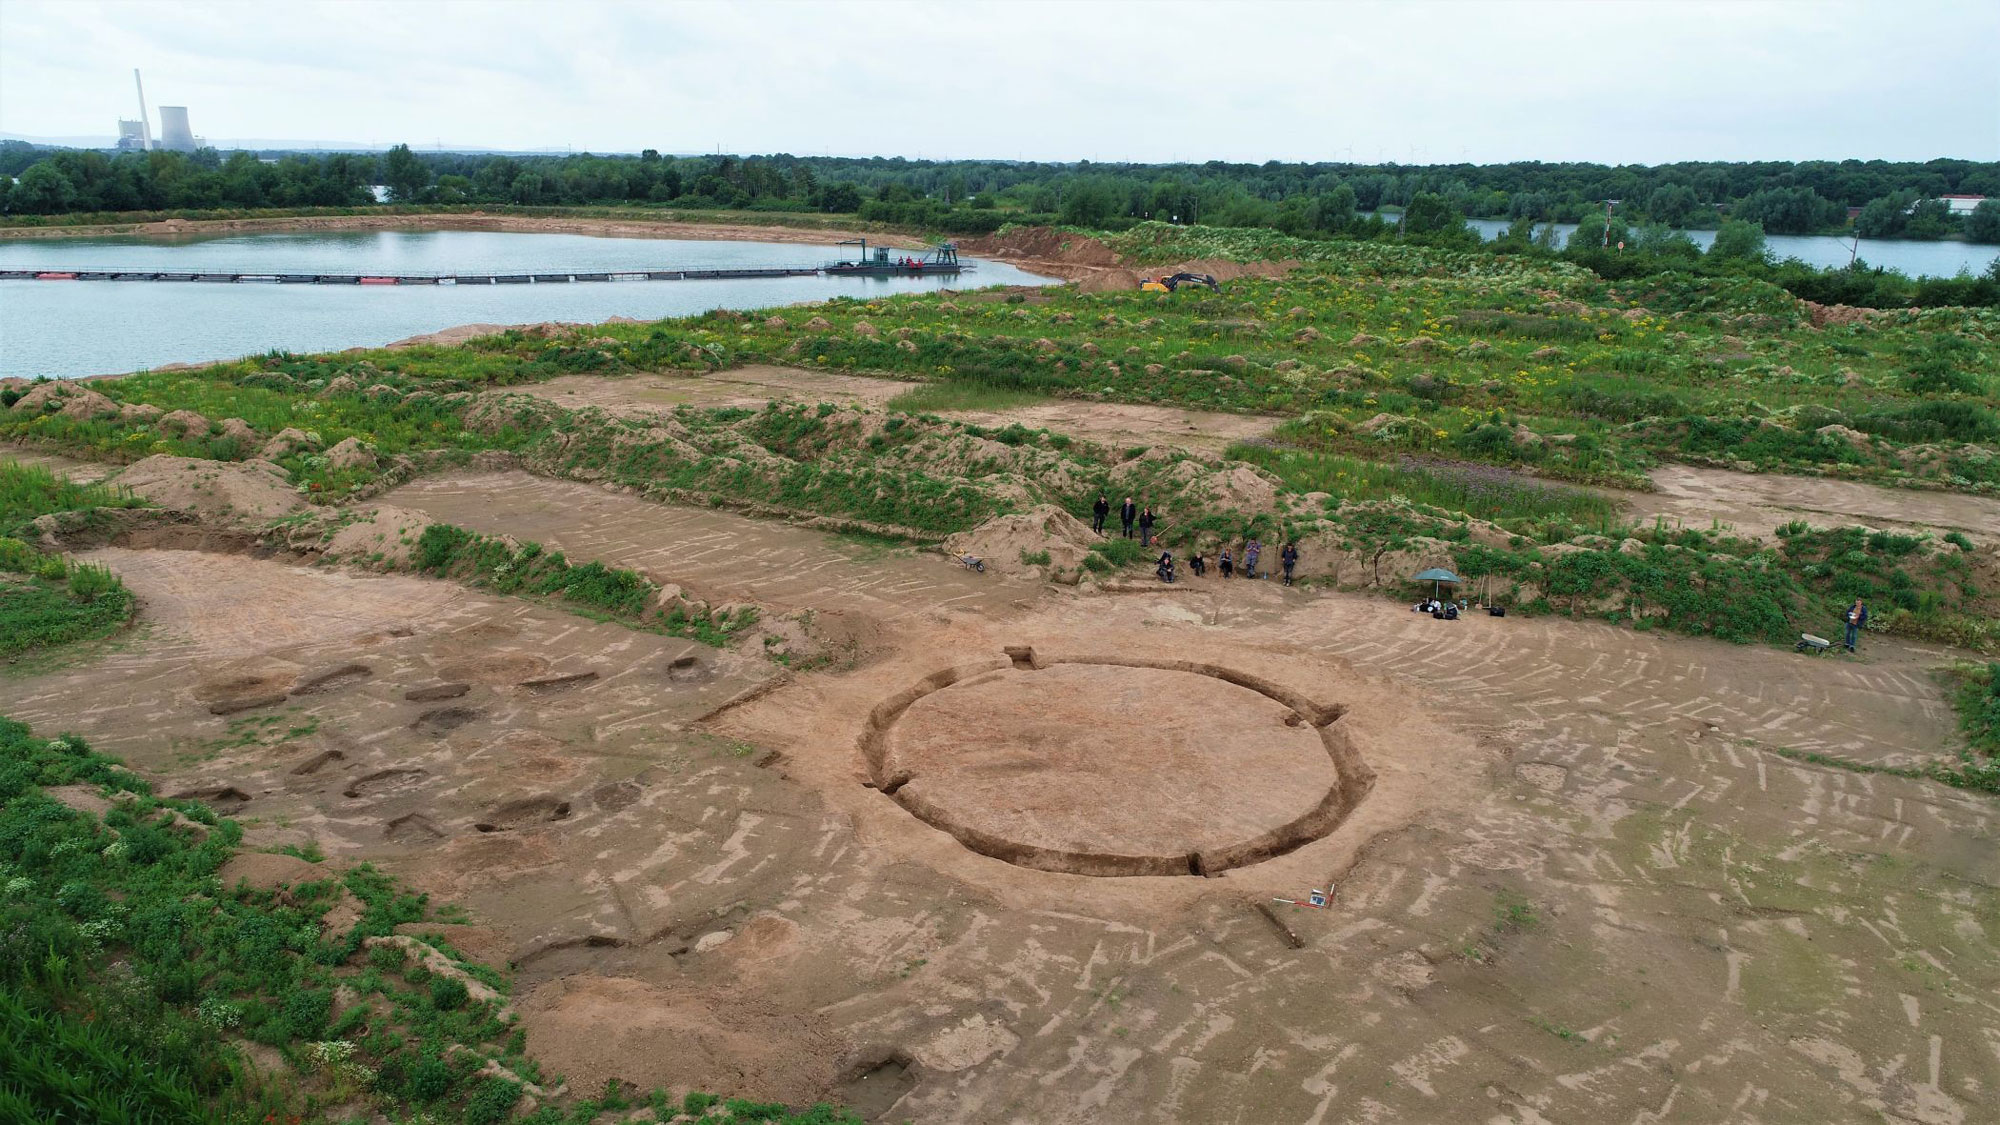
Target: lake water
{"type": "Point", "coordinates": [1918, 259]}
{"type": "Point", "coordinates": [70, 328]}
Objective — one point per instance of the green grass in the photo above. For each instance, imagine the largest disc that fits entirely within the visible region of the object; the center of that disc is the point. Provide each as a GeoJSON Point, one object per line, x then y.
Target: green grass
{"type": "Point", "coordinates": [1513, 913]}
{"type": "Point", "coordinates": [1596, 380]}
{"type": "Point", "coordinates": [37, 615]}
{"type": "Point", "coordinates": [1975, 772]}
{"type": "Point", "coordinates": [1977, 700]}
{"type": "Point", "coordinates": [128, 970]}
{"type": "Point", "coordinates": [620, 595]}
{"type": "Point", "coordinates": [29, 491]}
{"type": "Point", "coordinates": [1430, 385]}
{"type": "Point", "coordinates": [48, 600]}
{"type": "Point", "coordinates": [938, 398]}
{"type": "Point", "coordinates": [1488, 494]}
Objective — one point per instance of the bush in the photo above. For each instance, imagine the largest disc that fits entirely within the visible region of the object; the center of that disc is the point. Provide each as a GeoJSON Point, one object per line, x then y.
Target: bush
{"type": "Point", "coordinates": [448, 993]}
{"type": "Point", "coordinates": [492, 1102]}
{"type": "Point", "coordinates": [305, 1012]}
{"type": "Point", "coordinates": [1115, 553]}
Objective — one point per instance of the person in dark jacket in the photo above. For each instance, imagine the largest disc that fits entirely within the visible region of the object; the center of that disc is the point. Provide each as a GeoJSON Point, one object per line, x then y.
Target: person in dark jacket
{"type": "Point", "coordinates": [1197, 564]}
{"type": "Point", "coordinates": [1225, 564]}
{"type": "Point", "coordinates": [1146, 521]}
{"type": "Point", "coordinates": [1857, 620]}
{"type": "Point", "coordinates": [1127, 512]}
{"type": "Point", "coordinates": [1290, 557]}
{"type": "Point", "coordinates": [1098, 512]}
{"type": "Point", "coordinates": [1165, 567]}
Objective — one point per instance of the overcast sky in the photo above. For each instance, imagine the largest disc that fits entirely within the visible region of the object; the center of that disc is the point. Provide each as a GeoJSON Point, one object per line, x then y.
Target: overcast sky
{"type": "Point", "coordinates": [1417, 82]}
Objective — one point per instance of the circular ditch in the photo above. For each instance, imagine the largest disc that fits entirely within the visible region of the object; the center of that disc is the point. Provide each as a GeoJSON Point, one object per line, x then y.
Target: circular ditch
{"type": "Point", "coordinates": [1114, 766]}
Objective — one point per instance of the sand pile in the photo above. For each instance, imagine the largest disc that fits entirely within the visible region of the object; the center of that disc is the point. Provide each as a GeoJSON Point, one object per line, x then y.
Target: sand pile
{"type": "Point", "coordinates": [384, 533]}
{"type": "Point", "coordinates": [459, 334]}
{"type": "Point", "coordinates": [69, 399]}
{"type": "Point", "coordinates": [1046, 529]}
{"type": "Point", "coordinates": [1224, 270]}
{"type": "Point", "coordinates": [1043, 244]}
{"type": "Point", "coordinates": [220, 489]}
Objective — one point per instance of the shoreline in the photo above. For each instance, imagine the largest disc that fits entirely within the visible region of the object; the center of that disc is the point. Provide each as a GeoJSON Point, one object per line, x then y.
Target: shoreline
{"type": "Point", "coordinates": [455, 335]}
{"type": "Point", "coordinates": [675, 229]}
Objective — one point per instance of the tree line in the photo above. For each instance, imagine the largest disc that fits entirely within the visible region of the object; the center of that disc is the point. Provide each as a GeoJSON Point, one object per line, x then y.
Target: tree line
{"type": "Point", "coordinates": [1889, 199]}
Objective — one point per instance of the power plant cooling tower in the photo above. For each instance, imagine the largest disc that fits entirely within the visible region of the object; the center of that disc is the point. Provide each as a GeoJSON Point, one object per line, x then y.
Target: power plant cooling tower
{"type": "Point", "coordinates": [174, 131]}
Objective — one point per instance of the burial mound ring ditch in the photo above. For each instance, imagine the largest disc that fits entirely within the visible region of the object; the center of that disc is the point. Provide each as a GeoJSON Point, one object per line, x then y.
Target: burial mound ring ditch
{"type": "Point", "coordinates": [1113, 765]}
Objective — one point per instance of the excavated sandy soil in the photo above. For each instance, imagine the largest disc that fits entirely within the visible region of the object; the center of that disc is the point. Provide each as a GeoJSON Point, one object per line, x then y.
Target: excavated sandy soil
{"type": "Point", "coordinates": [1094, 767]}
{"type": "Point", "coordinates": [1756, 504]}
{"type": "Point", "coordinates": [1118, 425]}
{"type": "Point", "coordinates": [1572, 878]}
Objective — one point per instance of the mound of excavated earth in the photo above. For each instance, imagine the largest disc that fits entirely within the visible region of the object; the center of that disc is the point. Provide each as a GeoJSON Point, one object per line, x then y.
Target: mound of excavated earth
{"type": "Point", "coordinates": [1005, 541]}
{"type": "Point", "coordinates": [222, 490]}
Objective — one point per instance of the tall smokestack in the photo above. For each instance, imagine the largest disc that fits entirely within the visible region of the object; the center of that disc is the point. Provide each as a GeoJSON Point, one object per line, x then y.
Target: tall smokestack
{"type": "Point", "coordinates": [174, 131]}
{"type": "Point", "coordinates": [145, 125]}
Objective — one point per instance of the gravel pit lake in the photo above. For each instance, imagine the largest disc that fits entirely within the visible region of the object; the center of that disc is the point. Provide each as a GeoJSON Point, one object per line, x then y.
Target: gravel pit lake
{"type": "Point", "coordinates": [65, 329]}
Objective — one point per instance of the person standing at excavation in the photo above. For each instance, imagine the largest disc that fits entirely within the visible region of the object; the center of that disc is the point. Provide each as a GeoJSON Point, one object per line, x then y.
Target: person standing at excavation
{"type": "Point", "coordinates": [1146, 521]}
{"type": "Point", "coordinates": [1127, 512]}
{"type": "Point", "coordinates": [1290, 557]}
{"type": "Point", "coordinates": [1098, 512]}
{"type": "Point", "coordinates": [1857, 620]}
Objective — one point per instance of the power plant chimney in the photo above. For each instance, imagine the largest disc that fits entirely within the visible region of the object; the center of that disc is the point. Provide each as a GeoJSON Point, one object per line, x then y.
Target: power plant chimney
{"type": "Point", "coordinates": [145, 123]}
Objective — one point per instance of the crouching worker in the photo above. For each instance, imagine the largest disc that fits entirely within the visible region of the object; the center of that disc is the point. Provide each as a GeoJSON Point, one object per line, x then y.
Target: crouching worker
{"type": "Point", "coordinates": [1197, 564]}
{"type": "Point", "coordinates": [1165, 567]}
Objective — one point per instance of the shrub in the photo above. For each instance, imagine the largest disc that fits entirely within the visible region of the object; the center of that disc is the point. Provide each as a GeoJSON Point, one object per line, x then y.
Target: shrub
{"type": "Point", "coordinates": [448, 993]}
{"type": "Point", "coordinates": [305, 1012]}
{"type": "Point", "coordinates": [492, 1101]}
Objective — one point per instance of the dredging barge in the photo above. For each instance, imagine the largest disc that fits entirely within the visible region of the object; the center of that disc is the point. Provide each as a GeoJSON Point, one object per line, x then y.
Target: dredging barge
{"type": "Point", "coordinates": [939, 259]}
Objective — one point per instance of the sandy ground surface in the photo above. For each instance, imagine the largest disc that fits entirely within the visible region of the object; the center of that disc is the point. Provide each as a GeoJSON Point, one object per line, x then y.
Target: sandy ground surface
{"type": "Point", "coordinates": [1109, 760]}
{"type": "Point", "coordinates": [634, 227]}
{"type": "Point", "coordinates": [1582, 886]}
{"type": "Point", "coordinates": [1575, 879]}
{"type": "Point", "coordinates": [1113, 424]}
{"type": "Point", "coordinates": [1758, 503]}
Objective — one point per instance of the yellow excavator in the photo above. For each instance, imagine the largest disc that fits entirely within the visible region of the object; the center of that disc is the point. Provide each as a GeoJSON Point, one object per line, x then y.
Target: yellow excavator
{"type": "Point", "coordinates": [1175, 281]}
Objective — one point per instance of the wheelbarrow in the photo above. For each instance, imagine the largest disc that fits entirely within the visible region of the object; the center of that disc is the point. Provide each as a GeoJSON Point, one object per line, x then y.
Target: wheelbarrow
{"type": "Point", "coordinates": [1809, 643]}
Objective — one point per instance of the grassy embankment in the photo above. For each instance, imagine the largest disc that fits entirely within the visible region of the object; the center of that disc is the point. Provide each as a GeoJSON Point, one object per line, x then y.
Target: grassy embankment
{"type": "Point", "coordinates": [1425, 388]}
{"type": "Point", "coordinates": [136, 987]}
{"type": "Point", "coordinates": [48, 600]}
{"type": "Point", "coordinates": [592, 589]}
